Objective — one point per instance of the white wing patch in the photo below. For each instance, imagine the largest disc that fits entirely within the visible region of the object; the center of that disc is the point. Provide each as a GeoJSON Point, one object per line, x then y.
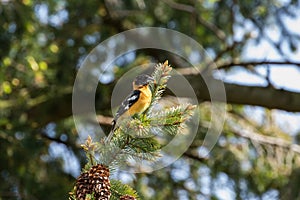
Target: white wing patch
{"type": "Point", "coordinates": [133, 98]}
{"type": "Point", "coordinates": [127, 103]}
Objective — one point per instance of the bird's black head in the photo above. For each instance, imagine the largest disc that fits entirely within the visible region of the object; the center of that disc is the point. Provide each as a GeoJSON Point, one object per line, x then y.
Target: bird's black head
{"type": "Point", "coordinates": [143, 79]}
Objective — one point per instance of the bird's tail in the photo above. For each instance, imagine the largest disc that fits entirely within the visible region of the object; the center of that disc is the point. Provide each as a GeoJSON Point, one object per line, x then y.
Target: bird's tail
{"type": "Point", "coordinates": [111, 133]}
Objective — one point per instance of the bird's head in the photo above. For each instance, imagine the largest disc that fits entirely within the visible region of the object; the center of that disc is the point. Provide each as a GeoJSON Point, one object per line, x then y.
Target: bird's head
{"type": "Point", "coordinates": [142, 81]}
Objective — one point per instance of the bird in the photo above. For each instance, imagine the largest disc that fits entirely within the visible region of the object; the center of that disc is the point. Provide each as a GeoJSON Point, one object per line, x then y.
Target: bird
{"type": "Point", "coordinates": [135, 103]}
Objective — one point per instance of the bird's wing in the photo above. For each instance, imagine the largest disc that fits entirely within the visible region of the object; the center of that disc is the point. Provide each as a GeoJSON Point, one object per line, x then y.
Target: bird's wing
{"type": "Point", "coordinates": [125, 105]}
{"type": "Point", "coordinates": [128, 102]}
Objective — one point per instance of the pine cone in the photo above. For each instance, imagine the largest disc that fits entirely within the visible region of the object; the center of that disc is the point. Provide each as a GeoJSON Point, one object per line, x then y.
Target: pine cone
{"type": "Point", "coordinates": [127, 197]}
{"type": "Point", "coordinates": [99, 180]}
{"type": "Point", "coordinates": [95, 181]}
{"type": "Point", "coordinates": [82, 186]}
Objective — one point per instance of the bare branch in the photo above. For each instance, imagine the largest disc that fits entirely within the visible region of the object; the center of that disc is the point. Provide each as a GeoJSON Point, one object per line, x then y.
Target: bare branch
{"type": "Point", "coordinates": [187, 8]}
{"type": "Point", "coordinates": [104, 120]}
{"type": "Point", "coordinates": [267, 97]}
{"type": "Point", "coordinates": [194, 156]}
{"type": "Point", "coordinates": [53, 139]}
{"type": "Point", "coordinates": [263, 139]}
{"type": "Point", "coordinates": [256, 63]}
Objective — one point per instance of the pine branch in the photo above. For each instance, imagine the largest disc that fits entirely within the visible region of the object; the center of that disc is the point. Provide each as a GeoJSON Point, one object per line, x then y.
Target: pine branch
{"type": "Point", "coordinates": [171, 120]}
{"type": "Point", "coordinates": [172, 116]}
{"type": "Point", "coordinates": [161, 76]}
{"type": "Point", "coordinates": [134, 139]}
{"type": "Point", "coordinates": [118, 189]}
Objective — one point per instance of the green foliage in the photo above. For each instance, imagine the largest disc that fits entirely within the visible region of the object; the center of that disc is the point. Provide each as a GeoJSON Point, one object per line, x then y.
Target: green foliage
{"type": "Point", "coordinates": [118, 189]}
{"type": "Point", "coordinates": [134, 138]}
{"type": "Point", "coordinates": [160, 76]}
{"type": "Point", "coordinates": [169, 120]}
{"type": "Point", "coordinates": [42, 46]}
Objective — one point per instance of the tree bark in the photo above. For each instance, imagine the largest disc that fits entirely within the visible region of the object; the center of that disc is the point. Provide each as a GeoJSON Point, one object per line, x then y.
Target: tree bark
{"type": "Point", "coordinates": [268, 97]}
{"type": "Point", "coordinates": [57, 108]}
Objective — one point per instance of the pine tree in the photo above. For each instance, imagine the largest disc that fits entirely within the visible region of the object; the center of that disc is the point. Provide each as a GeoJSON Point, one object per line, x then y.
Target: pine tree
{"type": "Point", "coordinates": [133, 139]}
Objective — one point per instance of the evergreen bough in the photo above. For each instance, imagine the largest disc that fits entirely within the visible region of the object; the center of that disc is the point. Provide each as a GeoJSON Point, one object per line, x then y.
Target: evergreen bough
{"type": "Point", "coordinates": [134, 139]}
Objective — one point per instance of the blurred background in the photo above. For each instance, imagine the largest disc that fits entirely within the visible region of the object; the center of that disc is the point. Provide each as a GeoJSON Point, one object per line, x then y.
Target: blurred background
{"type": "Point", "coordinates": [255, 45]}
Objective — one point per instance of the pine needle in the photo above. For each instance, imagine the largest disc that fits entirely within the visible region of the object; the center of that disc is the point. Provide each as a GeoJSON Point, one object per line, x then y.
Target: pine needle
{"type": "Point", "coordinates": [119, 189]}
{"type": "Point", "coordinates": [161, 76]}
{"type": "Point", "coordinates": [134, 139]}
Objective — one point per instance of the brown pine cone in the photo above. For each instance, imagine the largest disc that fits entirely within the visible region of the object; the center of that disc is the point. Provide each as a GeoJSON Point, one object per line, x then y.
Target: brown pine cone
{"type": "Point", "coordinates": [99, 180]}
{"type": "Point", "coordinates": [82, 186]}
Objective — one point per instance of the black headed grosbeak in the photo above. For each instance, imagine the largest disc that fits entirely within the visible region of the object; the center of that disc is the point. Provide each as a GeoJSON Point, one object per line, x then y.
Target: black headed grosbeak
{"type": "Point", "coordinates": [135, 103]}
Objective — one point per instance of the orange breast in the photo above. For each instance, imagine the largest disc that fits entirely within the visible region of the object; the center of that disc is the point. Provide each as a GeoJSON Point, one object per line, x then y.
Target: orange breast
{"type": "Point", "coordinates": [143, 103]}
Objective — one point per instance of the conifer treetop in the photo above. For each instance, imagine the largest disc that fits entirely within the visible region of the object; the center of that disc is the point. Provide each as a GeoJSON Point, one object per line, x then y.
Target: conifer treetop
{"type": "Point", "coordinates": [135, 138]}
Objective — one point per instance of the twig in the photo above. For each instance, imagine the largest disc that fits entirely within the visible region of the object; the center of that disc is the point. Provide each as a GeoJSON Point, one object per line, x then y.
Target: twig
{"type": "Point", "coordinates": [195, 157]}
{"type": "Point", "coordinates": [58, 140]}
{"type": "Point", "coordinates": [187, 8]}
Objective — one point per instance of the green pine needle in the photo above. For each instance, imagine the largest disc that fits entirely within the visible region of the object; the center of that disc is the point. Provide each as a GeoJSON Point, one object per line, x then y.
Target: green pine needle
{"type": "Point", "coordinates": [134, 139]}
{"type": "Point", "coordinates": [119, 189]}
{"type": "Point", "coordinates": [170, 119]}
{"type": "Point", "coordinates": [161, 76]}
